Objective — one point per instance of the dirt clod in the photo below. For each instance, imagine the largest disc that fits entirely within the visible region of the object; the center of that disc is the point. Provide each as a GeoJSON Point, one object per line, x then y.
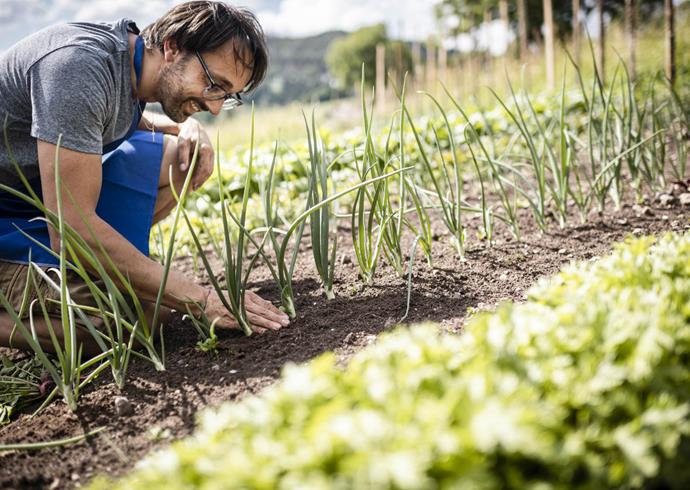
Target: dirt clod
{"type": "Point", "coordinates": [123, 407]}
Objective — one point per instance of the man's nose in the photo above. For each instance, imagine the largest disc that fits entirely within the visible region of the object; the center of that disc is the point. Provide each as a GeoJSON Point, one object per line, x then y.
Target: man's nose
{"type": "Point", "coordinates": [215, 106]}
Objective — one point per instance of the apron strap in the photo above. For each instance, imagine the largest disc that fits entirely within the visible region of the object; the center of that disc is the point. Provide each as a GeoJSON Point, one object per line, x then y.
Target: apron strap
{"type": "Point", "coordinates": [138, 106]}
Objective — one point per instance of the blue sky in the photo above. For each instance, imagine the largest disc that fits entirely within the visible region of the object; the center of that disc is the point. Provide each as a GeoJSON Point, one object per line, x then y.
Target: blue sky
{"type": "Point", "coordinates": [410, 19]}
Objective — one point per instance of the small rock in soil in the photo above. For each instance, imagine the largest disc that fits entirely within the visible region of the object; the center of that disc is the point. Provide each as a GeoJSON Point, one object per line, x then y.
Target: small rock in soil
{"type": "Point", "coordinates": [123, 407]}
{"type": "Point", "coordinates": [666, 199]}
{"type": "Point", "coordinates": [215, 367]}
{"type": "Point", "coordinates": [685, 198]}
{"type": "Point", "coordinates": [677, 187]}
{"type": "Point", "coordinates": [642, 210]}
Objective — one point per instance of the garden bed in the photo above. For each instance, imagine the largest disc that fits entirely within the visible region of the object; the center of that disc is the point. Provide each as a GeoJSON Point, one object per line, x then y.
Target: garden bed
{"type": "Point", "coordinates": [163, 404]}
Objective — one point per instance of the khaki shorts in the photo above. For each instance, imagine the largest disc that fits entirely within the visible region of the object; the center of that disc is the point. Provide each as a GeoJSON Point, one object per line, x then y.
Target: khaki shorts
{"type": "Point", "coordinates": [21, 295]}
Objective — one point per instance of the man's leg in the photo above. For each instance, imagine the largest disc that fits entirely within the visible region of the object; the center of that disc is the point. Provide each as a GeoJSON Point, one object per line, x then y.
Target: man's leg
{"type": "Point", "coordinates": [13, 281]}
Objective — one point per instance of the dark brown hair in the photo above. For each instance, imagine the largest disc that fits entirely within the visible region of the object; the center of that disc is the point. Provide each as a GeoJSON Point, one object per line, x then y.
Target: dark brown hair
{"type": "Point", "coordinates": [205, 25]}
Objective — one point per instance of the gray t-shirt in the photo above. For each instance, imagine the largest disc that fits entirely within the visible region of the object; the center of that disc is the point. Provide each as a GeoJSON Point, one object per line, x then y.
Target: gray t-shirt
{"type": "Point", "coordinates": [71, 80]}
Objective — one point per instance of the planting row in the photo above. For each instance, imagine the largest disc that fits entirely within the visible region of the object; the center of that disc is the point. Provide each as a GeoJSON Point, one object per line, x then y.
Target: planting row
{"type": "Point", "coordinates": [583, 386]}
{"type": "Point", "coordinates": [556, 157]}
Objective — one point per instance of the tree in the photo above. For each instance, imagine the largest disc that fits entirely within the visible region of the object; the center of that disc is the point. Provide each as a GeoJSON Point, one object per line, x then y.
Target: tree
{"type": "Point", "coordinates": [346, 55]}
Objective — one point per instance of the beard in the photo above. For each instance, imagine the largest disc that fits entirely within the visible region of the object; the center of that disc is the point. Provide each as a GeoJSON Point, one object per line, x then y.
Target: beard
{"type": "Point", "coordinates": [169, 91]}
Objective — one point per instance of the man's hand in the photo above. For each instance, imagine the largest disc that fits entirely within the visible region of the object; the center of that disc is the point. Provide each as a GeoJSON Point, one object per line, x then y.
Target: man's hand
{"type": "Point", "coordinates": [262, 314]}
{"type": "Point", "coordinates": [191, 133]}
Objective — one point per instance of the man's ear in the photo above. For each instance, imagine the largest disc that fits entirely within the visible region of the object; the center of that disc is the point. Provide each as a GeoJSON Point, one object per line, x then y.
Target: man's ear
{"type": "Point", "coordinates": [170, 49]}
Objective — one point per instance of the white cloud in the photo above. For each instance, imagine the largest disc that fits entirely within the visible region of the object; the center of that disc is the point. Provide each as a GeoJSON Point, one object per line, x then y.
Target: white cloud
{"type": "Point", "coordinates": [143, 12]}
{"type": "Point", "coordinates": [17, 12]}
{"type": "Point", "coordinates": [407, 18]}
{"type": "Point", "coordinates": [494, 37]}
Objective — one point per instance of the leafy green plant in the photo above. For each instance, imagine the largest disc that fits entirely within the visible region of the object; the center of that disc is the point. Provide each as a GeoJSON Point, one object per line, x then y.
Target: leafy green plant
{"type": "Point", "coordinates": [450, 196]}
{"type": "Point", "coordinates": [22, 382]}
{"type": "Point", "coordinates": [322, 245]}
{"type": "Point", "coordinates": [232, 291]}
{"type": "Point", "coordinates": [284, 269]}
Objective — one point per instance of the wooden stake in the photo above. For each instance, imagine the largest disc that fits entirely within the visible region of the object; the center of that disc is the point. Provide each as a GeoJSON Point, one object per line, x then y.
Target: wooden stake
{"type": "Point", "coordinates": [548, 45]}
{"type": "Point", "coordinates": [670, 35]}
{"type": "Point", "coordinates": [631, 35]}
{"type": "Point", "coordinates": [417, 63]}
{"type": "Point", "coordinates": [576, 30]}
{"type": "Point", "coordinates": [430, 65]}
{"type": "Point", "coordinates": [442, 63]}
{"type": "Point", "coordinates": [602, 42]}
{"type": "Point", "coordinates": [522, 29]}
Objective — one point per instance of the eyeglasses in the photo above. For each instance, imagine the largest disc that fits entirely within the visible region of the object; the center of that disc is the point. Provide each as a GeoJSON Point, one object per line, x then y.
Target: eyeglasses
{"type": "Point", "coordinates": [216, 92]}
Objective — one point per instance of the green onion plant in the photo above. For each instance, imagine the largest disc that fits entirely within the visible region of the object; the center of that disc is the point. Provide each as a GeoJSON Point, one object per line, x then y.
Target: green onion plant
{"type": "Point", "coordinates": [324, 242]}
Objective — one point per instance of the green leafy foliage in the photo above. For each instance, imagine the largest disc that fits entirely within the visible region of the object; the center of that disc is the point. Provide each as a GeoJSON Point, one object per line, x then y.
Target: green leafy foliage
{"type": "Point", "coordinates": [22, 382]}
{"type": "Point", "coordinates": [346, 55]}
{"type": "Point", "coordinates": [583, 386]}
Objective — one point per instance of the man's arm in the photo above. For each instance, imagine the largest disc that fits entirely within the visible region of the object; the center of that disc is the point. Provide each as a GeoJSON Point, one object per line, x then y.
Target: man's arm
{"type": "Point", "coordinates": [81, 176]}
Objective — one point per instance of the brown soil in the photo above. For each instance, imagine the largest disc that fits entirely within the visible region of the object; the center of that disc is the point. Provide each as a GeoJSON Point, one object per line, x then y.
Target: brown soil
{"type": "Point", "coordinates": [165, 403]}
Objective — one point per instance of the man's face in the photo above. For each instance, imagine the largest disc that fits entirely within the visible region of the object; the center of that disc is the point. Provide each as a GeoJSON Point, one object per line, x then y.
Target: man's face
{"type": "Point", "coordinates": [183, 80]}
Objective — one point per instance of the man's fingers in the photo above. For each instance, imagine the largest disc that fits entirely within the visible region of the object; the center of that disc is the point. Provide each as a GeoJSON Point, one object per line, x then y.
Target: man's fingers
{"type": "Point", "coordinates": [252, 297]}
{"type": "Point", "coordinates": [183, 153]}
{"type": "Point", "coordinates": [262, 321]}
{"type": "Point", "coordinates": [204, 167]}
{"type": "Point", "coordinates": [273, 314]}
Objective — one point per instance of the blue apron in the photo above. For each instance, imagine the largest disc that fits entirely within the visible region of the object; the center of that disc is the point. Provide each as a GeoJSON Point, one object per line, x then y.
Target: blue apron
{"type": "Point", "coordinates": [124, 167]}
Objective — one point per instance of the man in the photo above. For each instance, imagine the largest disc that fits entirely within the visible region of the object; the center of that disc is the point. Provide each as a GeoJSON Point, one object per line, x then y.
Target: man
{"type": "Point", "coordinates": [86, 84]}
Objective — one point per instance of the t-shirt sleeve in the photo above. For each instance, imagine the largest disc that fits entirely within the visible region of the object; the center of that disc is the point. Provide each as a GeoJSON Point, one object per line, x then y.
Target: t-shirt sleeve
{"type": "Point", "coordinates": [69, 97]}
